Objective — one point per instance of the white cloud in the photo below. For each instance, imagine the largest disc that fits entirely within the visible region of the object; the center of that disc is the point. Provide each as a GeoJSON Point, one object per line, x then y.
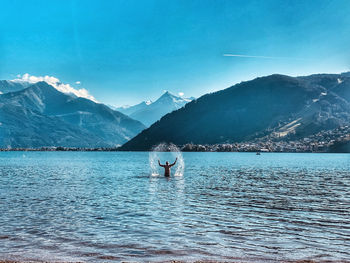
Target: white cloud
{"type": "Point", "coordinates": [78, 82]}
{"type": "Point", "coordinates": [55, 82]}
{"type": "Point", "coordinates": [181, 94]}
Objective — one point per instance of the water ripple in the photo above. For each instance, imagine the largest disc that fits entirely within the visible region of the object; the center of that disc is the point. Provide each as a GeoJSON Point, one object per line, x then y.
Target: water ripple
{"type": "Point", "coordinates": [99, 207]}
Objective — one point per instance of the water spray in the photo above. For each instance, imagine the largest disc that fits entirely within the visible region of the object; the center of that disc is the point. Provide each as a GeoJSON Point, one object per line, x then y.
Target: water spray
{"type": "Point", "coordinates": [166, 152]}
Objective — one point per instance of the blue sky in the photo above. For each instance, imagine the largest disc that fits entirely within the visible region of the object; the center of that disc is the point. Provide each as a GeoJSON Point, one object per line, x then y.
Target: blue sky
{"type": "Point", "coordinates": [123, 52]}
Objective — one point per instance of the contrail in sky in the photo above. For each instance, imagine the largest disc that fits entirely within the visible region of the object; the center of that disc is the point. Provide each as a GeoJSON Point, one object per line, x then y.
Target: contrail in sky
{"type": "Point", "coordinates": [249, 56]}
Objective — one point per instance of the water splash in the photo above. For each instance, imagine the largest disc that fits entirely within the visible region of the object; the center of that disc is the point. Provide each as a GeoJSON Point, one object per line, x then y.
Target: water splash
{"type": "Point", "coordinates": [166, 152]}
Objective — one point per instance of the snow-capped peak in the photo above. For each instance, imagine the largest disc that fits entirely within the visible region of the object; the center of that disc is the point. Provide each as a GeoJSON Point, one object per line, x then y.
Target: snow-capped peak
{"type": "Point", "coordinates": [148, 112]}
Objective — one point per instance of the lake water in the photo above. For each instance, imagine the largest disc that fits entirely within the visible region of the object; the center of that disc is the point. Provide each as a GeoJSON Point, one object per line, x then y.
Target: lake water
{"type": "Point", "coordinates": [106, 207]}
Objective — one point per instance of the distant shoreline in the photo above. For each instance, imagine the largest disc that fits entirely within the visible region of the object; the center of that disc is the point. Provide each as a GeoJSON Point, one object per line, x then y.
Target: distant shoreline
{"type": "Point", "coordinates": [118, 150]}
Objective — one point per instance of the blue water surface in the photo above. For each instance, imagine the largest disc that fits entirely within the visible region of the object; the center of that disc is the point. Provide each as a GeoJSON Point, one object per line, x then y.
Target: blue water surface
{"type": "Point", "coordinates": [106, 207]}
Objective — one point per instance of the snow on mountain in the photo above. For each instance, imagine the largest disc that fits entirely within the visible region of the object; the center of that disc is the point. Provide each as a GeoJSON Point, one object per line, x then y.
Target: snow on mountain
{"type": "Point", "coordinates": [128, 110]}
{"type": "Point", "coordinates": [149, 112]}
{"type": "Point", "coordinates": [277, 107]}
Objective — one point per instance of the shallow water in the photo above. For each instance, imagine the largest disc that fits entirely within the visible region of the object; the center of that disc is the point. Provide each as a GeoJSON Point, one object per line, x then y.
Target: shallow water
{"type": "Point", "coordinates": [105, 206]}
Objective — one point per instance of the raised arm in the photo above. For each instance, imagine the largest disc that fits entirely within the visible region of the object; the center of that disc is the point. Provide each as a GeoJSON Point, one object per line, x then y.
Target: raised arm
{"type": "Point", "coordinates": [173, 162]}
{"type": "Point", "coordinates": [160, 164]}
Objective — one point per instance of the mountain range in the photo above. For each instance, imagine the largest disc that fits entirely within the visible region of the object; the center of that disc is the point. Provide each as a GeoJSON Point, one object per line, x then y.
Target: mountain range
{"type": "Point", "coordinates": [11, 86]}
{"type": "Point", "coordinates": [149, 112]}
{"type": "Point", "coordinates": [278, 106]}
{"type": "Point", "coordinates": [275, 107]}
{"type": "Point", "coordinates": [39, 115]}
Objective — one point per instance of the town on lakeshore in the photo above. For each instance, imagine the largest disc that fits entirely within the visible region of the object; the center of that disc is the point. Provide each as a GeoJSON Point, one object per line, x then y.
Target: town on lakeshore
{"type": "Point", "coordinates": [325, 141]}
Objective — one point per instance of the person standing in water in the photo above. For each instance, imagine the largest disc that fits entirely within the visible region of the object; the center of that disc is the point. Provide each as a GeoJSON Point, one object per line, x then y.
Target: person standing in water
{"type": "Point", "coordinates": [166, 167]}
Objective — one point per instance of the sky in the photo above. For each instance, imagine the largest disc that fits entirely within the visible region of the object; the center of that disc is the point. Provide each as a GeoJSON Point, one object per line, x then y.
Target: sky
{"type": "Point", "coordinates": [126, 51]}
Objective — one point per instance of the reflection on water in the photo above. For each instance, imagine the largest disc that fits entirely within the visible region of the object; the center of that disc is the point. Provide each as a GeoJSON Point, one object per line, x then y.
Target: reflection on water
{"type": "Point", "coordinates": [102, 207]}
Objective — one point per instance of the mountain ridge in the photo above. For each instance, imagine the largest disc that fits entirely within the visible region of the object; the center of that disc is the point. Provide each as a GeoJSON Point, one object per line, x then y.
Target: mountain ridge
{"type": "Point", "coordinates": [88, 124]}
{"type": "Point", "coordinates": [277, 105]}
{"type": "Point", "coordinates": [149, 112]}
{"type": "Point", "coordinates": [11, 86]}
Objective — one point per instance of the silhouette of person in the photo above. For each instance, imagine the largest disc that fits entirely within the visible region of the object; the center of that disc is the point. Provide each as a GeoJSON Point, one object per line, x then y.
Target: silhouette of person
{"type": "Point", "coordinates": [166, 167]}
